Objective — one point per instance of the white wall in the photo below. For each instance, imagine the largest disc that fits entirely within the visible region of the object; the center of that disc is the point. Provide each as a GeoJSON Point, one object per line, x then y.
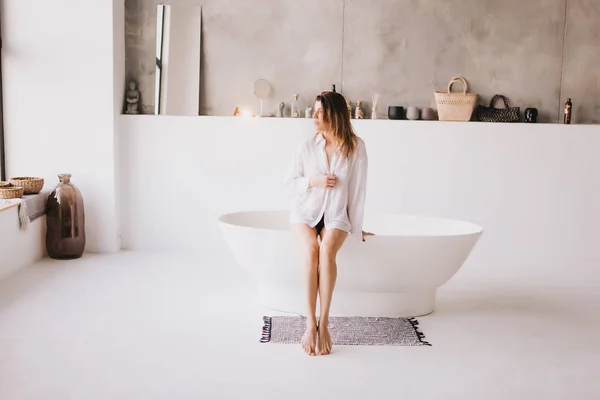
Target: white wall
{"type": "Point", "coordinates": [60, 88]}
{"type": "Point", "coordinates": [534, 188]}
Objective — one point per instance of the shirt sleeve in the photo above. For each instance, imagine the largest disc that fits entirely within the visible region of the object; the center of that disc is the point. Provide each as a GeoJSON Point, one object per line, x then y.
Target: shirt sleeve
{"type": "Point", "coordinates": [295, 179]}
{"type": "Point", "coordinates": [357, 194]}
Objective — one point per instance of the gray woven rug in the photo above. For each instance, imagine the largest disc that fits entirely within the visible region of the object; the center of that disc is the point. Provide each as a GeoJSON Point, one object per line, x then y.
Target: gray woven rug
{"type": "Point", "coordinates": [359, 331]}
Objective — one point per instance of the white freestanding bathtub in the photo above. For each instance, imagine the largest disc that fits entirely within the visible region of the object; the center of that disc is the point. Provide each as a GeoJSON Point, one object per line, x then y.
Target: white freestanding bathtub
{"type": "Point", "coordinates": [393, 274]}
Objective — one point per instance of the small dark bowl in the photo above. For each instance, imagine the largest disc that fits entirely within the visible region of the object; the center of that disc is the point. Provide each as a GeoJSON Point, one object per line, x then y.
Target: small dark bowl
{"type": "Point", "coordinates": [395, 112]}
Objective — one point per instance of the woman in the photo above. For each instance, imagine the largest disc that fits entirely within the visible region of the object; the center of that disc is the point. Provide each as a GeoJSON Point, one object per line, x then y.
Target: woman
{"type": "Point", "coordinates": [329, 177]}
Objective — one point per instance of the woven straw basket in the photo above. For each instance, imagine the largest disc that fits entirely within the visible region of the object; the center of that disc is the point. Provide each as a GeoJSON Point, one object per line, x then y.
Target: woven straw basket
{"type": "Point", "coordinates": [30, 185]}
{"type": "Point", "coordinates": [456, 106]}
{"type": "Point", "coordinates": [4, 184]}
{"type": "Point", "coordinates": [11, 192]}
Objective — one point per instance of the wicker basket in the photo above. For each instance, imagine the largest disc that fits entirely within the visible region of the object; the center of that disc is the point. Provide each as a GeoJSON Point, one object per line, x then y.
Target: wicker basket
{"type": "Point", "coordinates": [456, 106]}
{"type": "Point", "coordinates": [29, 184]}
{"type": "Point", "coordinates": [4, 184]}
{"type": "Point", "coordinates": [11, 192]}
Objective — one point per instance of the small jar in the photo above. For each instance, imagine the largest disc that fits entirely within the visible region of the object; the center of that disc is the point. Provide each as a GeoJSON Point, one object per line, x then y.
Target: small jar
{"type": "Point", "coordinates": [412, 113]}
{"type": "Point", "coordinates": [349, 107]}
{"type": "Point", "coordinates": [428, 114]}
{"type": "Point", "coordinates": [308, 112]}
{"type": "Point", "coordinates": [531, 115]}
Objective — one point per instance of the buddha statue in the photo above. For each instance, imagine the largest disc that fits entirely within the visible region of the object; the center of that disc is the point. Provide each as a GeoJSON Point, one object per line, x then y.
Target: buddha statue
{"type": "Point", "coordinates": [133, 99]}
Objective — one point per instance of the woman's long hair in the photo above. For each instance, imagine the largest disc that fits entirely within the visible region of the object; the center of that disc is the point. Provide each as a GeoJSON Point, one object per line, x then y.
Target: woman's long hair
{"type": "Point", "coordinates": [336, 117]}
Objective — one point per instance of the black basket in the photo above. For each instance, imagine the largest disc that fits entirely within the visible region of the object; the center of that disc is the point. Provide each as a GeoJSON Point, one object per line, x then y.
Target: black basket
{"type": "Point", "coordinates": [492, 114]}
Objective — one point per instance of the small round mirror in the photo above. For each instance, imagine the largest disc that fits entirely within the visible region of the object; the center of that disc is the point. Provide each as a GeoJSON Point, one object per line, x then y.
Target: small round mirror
{"type": "Point", "coordinates": [262, 89]}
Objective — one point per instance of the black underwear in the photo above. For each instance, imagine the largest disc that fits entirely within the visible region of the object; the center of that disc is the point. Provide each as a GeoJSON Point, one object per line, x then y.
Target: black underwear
{"type": "Point", "coordinates": [320, 225]}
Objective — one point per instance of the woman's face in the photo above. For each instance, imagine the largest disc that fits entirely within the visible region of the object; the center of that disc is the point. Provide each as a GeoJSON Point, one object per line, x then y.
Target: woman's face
{"type": "Point", "coordinates": [318, 116]}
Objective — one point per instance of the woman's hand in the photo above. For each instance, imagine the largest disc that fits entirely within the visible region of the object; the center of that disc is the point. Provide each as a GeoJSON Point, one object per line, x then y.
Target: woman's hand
{"type": "Point", "coordinates": [365, 234]}
{"type": "Point", "coordinates": [323, 181]}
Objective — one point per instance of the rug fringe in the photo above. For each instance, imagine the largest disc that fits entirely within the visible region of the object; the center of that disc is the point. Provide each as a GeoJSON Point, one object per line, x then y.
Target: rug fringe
{"type": "Point", "coordinates": [266, 330]}
{"type": "Point", "coordinates": [415, 323]}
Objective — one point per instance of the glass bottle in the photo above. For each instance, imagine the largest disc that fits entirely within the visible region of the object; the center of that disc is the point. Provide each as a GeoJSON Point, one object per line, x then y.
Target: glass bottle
{"type": "Point", "coordinates": [295, 107]}
{"type": "Point", "coordinates": [568, 109]}
{"type": "Point", "coordinates": [65, 221]}
{"type": "Point", "coordinates": [308, 112]}
{"type": "Point", "coordinates": [349, 107]}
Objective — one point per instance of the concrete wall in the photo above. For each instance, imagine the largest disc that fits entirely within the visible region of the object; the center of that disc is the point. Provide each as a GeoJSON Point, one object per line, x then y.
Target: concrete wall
{"type": "Point", "coordinates": [401, 49]}
{"type": "Point", "coordinates": [581, 79]}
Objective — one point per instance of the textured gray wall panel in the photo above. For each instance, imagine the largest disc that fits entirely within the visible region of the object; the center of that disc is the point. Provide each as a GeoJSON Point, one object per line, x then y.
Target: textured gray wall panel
{"type": "Point", "coordinates": [581, 79]}
{"type": "Point", "coordinates": [140, 48]}
{"type": "Point", "coordinates": [402, 49]}
{"type": "Point", "coordinates": [295, 45]}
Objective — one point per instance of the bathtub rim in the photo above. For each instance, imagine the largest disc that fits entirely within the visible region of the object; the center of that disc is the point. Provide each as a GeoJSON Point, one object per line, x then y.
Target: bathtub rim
{"type": "Point", "coordinates": [473, 228]}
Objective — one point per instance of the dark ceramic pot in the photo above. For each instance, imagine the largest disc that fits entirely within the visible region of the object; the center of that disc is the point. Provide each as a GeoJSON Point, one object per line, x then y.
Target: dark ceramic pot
{"type": "Point", "coordinates": [531, 115]}
{"type": "Point", "coordinates": [395, 112]}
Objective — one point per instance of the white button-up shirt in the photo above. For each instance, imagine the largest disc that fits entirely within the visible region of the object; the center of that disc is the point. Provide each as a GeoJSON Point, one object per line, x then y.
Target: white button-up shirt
{"type": "Point", "coordinates": [342, 206]}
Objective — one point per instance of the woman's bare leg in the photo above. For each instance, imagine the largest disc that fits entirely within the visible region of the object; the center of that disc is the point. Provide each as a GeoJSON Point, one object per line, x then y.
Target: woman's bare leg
{"type": "Point", "coordinates": [310, 248]}
{"type": "Point", "coordinates": [331, 243]}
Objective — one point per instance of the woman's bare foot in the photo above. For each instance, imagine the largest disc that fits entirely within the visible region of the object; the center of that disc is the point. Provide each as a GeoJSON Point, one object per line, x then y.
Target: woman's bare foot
{"type": "Point", "coordinates": [309, 340]}
{"type": "Point", "coordinates": [324, 346]}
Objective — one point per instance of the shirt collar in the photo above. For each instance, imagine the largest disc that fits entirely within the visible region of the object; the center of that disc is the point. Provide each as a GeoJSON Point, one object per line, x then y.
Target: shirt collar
{"type": "Point", "coordinates": [319, 138]}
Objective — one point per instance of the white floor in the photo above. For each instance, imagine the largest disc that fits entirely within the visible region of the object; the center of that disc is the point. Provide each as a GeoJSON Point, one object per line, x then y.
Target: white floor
{"type": "Point", "coordinates": [143, 326]}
